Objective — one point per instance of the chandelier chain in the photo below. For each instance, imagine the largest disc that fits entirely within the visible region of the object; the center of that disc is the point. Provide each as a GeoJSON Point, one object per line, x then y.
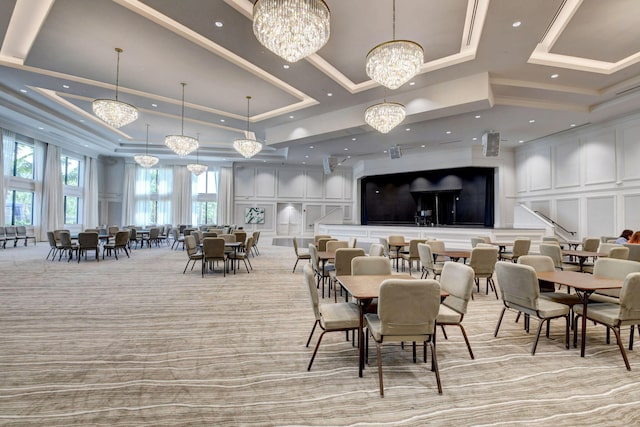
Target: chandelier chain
{"type": "Point", "coordinates": [394, 19]}
{"type": "Point", "coordinates": [183, 85]}
{"type": "Point", "coordinates": [118, 71]}
{"type": "Point", "coordinates": [146, 150]}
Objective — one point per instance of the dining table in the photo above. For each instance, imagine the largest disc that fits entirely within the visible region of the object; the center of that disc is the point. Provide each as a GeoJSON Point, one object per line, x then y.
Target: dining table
{"type": "Point", "coordinates": [453, 254]}
{"type": "Point", "coordinates": [584, 285]}
{"type": "Point", "coordinates": [364, 288]}
{"type": "Point", "coordinates": [398, 247]}
{"type": "Point", "coordinates": [502, 246]}
{"type": "Point", "coordinates": [582, 255]}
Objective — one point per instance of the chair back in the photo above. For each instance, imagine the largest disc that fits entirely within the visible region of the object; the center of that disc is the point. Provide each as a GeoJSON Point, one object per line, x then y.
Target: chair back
{"type": "Point", "coordinates": [190, 245]}
{"type": "Point", "coordinates": [51, 238]}
{"type": "Point", "coordinates": [619, 253]}
{"type": "Point", "coordinates": [408, 308]}
{"type": "Point", "coordinates": [630, 299]}
{"type": "Point", "coordinates": [197, 236]}
{"type": "Point", "coordinates": [215, 230]}
{"type": "Point", "coordinates": [212, 247]}
{"type": "Point", "coordinates": [540, 263]}
{"type": "Point", "coordinates": [322, 243]}
{"type": "Point", "coordinates": [133, 234]}
{"type": "Point", "coordinates": [615, 268]}
{"type": "Point", "coordinates": [590, 244]}
{"type": "Point", "coordinates": [10, 231]}
{"type": "Point", "coordinates": [550, 240]}
{"type": "Point", "coordinates": [554, 252]}
{"type": "Point", "coordinates": [122, 238]}
{"type": "Point", "coordinates": [483, 260]}
{"type": "Point", "coordinates": [56, 234]}
{"type": "Point", "coordinates": [315, 261]}
{"type": "Point", "coordinates": [229, 238]}
{"type": "Point", "coordinates": [333, 245]}
{"type": "Point", "coordinates": [436, 245]}
{"type": "Point", "coordinates": [187, 231]}
{"type": "Point", "coordinates": [518, 285]}
{"type": "Point", "coordinates": [376, 249]}
{"type": "Point", "coordinates": [295, 245]}
{"type": "Point", "coordinates": [413, 247]}
{"type": "Point", "coordinates": [352, 242]}
{"type": "Point", "coordinates": [385, 245]}
{"type": "Point", "coordinates": [241, 236]}
{"type": "Point", "coordinates": [311, 286]}
{"type": "Point", "coordinates": [396, 239]}
{"type": "Point", "coordinates": [634, 251]}
{"type": "Point", "coordinates": [425, 255]}
{"type": "Point", "coordinates": [476, 240]}
{"type": "Point", "coordinates": [113, 229]}
{"type": "Point", "coordinates": [65, 239]}
{"type": "Point", "coordinates": [154, 232]}
{"type": "Point", "coordinates": [21, 231]}
{"type": "Point", "coordinates": [606, 247]}
{"type": "Point", "coordinates": [209, 234]}
{"type": "Point", "coordinates": [88, 240]}
{"type": "Point", "coordinates": [343, 259]}
{"type": "Point", "coordinates": [457, 280]}
{"type": "Point", "coordinates": [320, 236]}
{"type": "Point", "coordinates": [247, 247]}
{"type": "Point", "coordinates": [521, 247]}
{"type": "Point", "coordinates": [370, 265]}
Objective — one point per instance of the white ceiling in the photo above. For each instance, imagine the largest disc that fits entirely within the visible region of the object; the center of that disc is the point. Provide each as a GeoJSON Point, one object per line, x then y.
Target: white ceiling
{"type": "Point", "coordinates": [477, 64]}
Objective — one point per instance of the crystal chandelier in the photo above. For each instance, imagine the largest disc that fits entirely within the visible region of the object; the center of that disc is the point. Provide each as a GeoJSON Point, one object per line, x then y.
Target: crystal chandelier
{"type": "Point", "coordinates": [292, 29]}
{"type": "Point", "coordinates": [384, 116]}
{"type": "Point", "coordinates": [145, 160]}
{"type": "Point", "coordinates": [181, 144]}
{"type": "Point", "coordinates": [196, 168]}
{"type": "Point", "coordinates": [395, 62]}
{"type": "Point", "coordinates": [112, 111]}
{"type": "Point", "coordinates": [247, 146]}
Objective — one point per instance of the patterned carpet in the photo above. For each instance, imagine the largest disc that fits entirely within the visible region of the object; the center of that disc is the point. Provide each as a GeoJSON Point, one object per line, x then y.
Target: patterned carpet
{"type": "Point", "coordinates": [134, 342]}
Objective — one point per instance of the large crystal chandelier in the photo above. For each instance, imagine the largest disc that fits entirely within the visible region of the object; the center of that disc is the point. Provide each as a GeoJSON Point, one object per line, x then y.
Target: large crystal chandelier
{"type": "Point", "coordinates": [292, 29]}
{"type": "Point", "coordinates": [145, 160]}
{"type": "Point", "coordinates": [384, 116]}
{"type": "Point", "coordinates": [181, 144]}
{"type": "Point", "coordinates": [112, 111]}
{"type": "Point", "coordinates": [395, 62]}
{"type": "Point", "coordinates": [247, 146]}
{"type": "Point", "coordinates": [196, 168]}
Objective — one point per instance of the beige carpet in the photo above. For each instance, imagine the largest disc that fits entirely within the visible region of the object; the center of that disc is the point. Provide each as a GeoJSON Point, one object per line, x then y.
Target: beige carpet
{"type": "Point", "coordinates": [135, 342]}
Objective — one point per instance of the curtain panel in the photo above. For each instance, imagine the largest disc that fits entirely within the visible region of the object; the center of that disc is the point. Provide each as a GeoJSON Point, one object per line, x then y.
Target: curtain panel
{"type": "Point", "coordinates": [52, 212]}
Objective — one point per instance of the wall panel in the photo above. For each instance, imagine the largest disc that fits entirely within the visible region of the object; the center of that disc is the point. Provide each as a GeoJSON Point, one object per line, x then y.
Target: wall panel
{"type": "Point", "coordinates": [265, 182]}
{"type": "Point", "coordinates": [567, 164]}
{"type": "Point", "coordinates": [600, 221]}
{"type": "Point", "coordinates": [540, 169]}
{"type": "Point", "coordinates": [314, 184]}
{"type": "Point", "coordinates": [599, 152]}
{"type": "Point", "coordinates": [244, 181]}
{"type": "Point", "coordinates": [291, 183]}
{"type": "Point", "coordinates": [568, 214]}
{"type": "Point", "coordinates": [631, 151]}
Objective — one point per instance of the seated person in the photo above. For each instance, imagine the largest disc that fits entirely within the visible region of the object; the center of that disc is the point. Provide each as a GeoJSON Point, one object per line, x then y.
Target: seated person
{"type": "Point", "coordinates": [624, 236]}
{"type": "Point", "coordinates": [635, 238]}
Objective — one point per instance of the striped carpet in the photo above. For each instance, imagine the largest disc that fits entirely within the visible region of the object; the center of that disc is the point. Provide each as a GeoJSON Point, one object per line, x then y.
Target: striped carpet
{"type": "Point", "coordinates": [135, 342]}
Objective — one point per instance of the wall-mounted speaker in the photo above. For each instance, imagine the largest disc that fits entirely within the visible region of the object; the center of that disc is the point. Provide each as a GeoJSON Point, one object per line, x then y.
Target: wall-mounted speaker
{"type": "Point", "coordinates": [491, 144]}
{"type": "Point", "coordinates": [329, 163]}
{"type": "Point", "coordinates": [395, 152]}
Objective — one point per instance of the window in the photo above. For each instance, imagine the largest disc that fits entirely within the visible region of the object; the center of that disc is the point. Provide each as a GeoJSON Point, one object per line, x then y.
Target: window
{"type": "Point", "coordinates": [205, 198]}
{"type": "Point", "coordinates": [153, 196]}
{"type": "Point", "coordinates": [70, 169]}
{"type": "Point", "coordinates": [18, 208]}
{"type": "Point", "coordinates": [23, 161]}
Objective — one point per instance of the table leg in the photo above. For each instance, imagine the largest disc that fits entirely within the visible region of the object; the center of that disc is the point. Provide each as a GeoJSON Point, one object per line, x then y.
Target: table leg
{"type": "Point", "coordinates": [584, 296]}
{"type": "Point", "coordinates": [361, 304]}
{"type": "Point", "coordinates": [398, 258]}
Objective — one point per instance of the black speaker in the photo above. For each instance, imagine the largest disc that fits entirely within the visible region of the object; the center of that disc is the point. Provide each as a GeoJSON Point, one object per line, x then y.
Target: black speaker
{"type": "Point", "coordinates": [395, 152]}
{"type": "Point", "coordinates": [491, 144]}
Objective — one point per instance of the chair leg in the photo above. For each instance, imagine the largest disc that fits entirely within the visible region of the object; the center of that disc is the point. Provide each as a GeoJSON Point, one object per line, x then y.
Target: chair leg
{"type": "Point", "coordinates": [631, 337]}
{"type": "Point", "coordinates": [616, 331]}
{"type": "Point", "coordinates": [295, 265]}
{"type": "Point", "coordinates": [315, 350]}
{"type": "Point", "coordinates": [444, 333]}
{"type": "Point", "coordinates": [495, 334]}
{"type": "Point", "coordinates": [466, 339]}
{"type": "Point", "coordinates": [434, 365]}
{"type": "Point", "coordinates": [535, 343]}
{"type": "Point", "coordinates": [379, 351]}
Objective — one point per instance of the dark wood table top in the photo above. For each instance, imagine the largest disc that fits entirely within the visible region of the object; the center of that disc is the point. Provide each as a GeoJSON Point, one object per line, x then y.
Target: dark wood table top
{"type": "Point", "coordinates": [581, 281]}
{"type": "Point", "coordinates": [577, 253]}
{"type": "Point", "coordinates": [368, 286]}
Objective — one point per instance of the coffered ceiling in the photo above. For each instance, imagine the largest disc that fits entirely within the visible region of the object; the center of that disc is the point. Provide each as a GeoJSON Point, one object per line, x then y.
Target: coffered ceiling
{"type": "Point", "coordinates": [567, 64]}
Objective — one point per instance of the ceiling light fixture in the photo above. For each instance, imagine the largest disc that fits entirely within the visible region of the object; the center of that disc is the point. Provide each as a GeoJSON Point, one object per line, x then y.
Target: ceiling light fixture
{"type": "Point", "coordinates": [146, 161]}
{"type": "Point", "coordinates": [395, 62]}
{"type": "Point", "coordinates": [385, 116]}
{"type": "Point", "coordinates": [197, 168]}
{"type": "Point", "coordinates": [247, 146]}
{"type": "Point", "coordinates": [292, 29]}
{"type": "Point", "coordinates": [113, 112]}
{"type": "Point", "coordinates": [181, 144]}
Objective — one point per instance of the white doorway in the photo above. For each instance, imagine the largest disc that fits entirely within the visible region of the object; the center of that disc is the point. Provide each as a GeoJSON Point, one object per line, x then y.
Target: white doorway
{"type": "Point", "coordinates": [289, 219]}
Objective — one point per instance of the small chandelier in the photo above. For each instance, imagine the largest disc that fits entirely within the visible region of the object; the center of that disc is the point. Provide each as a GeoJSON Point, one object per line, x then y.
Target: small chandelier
{"type": "Point", "coordinates": [145, 160]}
{"type": "Point", "coordinates": [181, 144]}
{"type": "Point", "coordinates": [384, 116]}
{"type": "Point", "coordinates": [395, 62]}
{"type": "Point", "coordinates": [292, 29]}
{"type": "Point", "coordinates": [196, 168]}
{"type": "Point", "coordinates": [112, 111]}
{"type": "Point", "coordinates": [247, 146]}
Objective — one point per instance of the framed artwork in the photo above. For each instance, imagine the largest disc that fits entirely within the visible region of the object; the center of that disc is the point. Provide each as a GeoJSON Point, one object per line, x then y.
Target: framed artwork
{"type": "Point", "coordinates": [254, 215]}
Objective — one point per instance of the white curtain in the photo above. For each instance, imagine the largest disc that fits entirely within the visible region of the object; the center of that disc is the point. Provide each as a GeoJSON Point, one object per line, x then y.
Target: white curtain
{"type": "Point", "coordinates": [165, 188]}
{"type": "Point", "coordinates": [52, 212]}
{"type": "Point", "coordinates": [181, 197]}
{"type": "Point", "coordinates": [6, 149]}
{"type": "Point", "coordinates": [225, 197]}
{"type": "Point", "coordinates": [129, 195]}
{"type": "Point", "coordinates": [90, 196]}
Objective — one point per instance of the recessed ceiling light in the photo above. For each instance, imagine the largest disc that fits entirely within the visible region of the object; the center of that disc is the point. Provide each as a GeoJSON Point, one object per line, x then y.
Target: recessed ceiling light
{"type": "Point", "coordinates": [304, 163]}
{"type": "Point", "coordinates": [573, 125]}
{"type": "Point", "coordinates": [532, 121]}
{"type": "Point", "coordinates": [329, 94]}
{"type": "Point", "coordinates": [286, 66]}
{"type": "Point", "coordinates": [154, 105]}
{"type": "Point", "coordinates": [353, 139]}
{"type": "Point", "coordinates": [264, 161]}
{"type": "Point", "coordinates": [448, 132]}
{"type": "Point", "coordinates": [23, 90]}
{"type": "Point", "coordinates": [516, 24]}
{"type": "Point", "coordinates": [555, 76]}
{"type": "Point", "coordinates": [340, 164]}
{"type": "Point", "coordinates": [348, 157]}
{"type": "Point", "coordinates": [474, 138]}
{"type": "Point", "coordinates": [219, 24]}
{"type": "Point", "coordinates": [86, 145]}
{"type": "Point", "coordinates": [81, 120]}
{"type": "Point", "coordinates": [221, 120]}
{"type": "Point", "coordinates": [385, 151]}
{"type": "Point", "coordinates": [306, 157]}
{"type": "Point", "coordinates": [291, 117]}
{"type": "Point", "coordinates": [311, 146]}
{"type": "Point", "coordinates": [408, 129]}
{"type": "Point", "coordinates": [521, 141]}
{"type": "Point", "coordinates": [40, 127]}
{"type": "Point", "coordinates": [346, 149]}
{"type": "Point", "coordinates": [423, 146]}
{"type": "Point", "coordinates": [412, 83]}
{"type": "Point", "coordinates": [478, 116]}
{"type": "Point", "coordinates": [65, 86]}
